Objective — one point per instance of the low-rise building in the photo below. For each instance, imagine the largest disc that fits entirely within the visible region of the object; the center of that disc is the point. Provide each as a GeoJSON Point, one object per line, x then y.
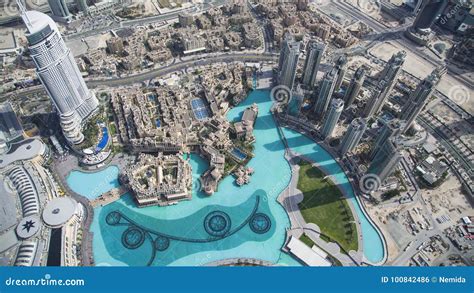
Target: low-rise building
{"type": "Point", "coordinates": [160, 180]}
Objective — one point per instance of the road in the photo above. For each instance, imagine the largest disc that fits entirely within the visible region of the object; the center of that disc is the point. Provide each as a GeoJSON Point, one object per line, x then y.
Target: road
{"type": "Point", "coordinates": [227, 58]}
{"type": "Point", "coordinates": [148, 75]}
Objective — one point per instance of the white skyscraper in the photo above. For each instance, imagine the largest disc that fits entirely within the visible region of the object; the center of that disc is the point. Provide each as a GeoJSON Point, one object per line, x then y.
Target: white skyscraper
{"type": "Point", "coordinates": [337, 105]}
{"type": "Point", "coordinates": [353, 135]}
{"type": "Point", "coordinates": [58, 71]}
{"type": "Point", "coordinates": [314, 54]}
{"type": "Point", "coordinates": [388, 80]}
{"type": "Point", "coordinates": [288, 62]}
{"type": "Point", "coordinates": [326, 89]}
{"type": "Point", "coordinates": [420, 97]}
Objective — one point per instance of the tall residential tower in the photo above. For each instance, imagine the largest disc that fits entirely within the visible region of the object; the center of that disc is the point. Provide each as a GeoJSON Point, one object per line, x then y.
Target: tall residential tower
{"type": "Point", "coordinates": [59, 74]}
{"type": "Point", "coordinates": [430, 10]}
{"type": "Point", "coordinates": [60, 10]}
{"type": "Point", "coordinates": [354, 87]}
{"type": "Point", "coordinates": [335, 111]}
{"type": "Point", "coordinates": [420, 96]}
{"type": "Point", "coordinates": [314, 54]}
{"type": "Point", "coordinates": [341, 66]}
{"type": "Point", "coordinates": [386, 160]}
{"type": "Point", "coordinates": [388, 80]}
{"type": "Point", "coordinates": [353, 135]}
{"type": "Point", "coordinates": [288, 63]}
{"type": "Point", "coordinates": [390, 130]}
{"type": "Point", "coordinates": [326, 89]}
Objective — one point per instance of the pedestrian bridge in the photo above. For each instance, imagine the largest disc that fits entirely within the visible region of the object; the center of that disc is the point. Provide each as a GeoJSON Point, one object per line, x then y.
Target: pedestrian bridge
{"type": "Point", "coordinates": [109, 196]}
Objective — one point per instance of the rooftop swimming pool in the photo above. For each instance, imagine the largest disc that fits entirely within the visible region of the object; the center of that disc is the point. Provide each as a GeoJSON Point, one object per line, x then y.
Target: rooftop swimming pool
{"type": "Point", "coordinates": [104, 140]}
{"type": "Point", "coordinates": [239, 154]}
{"type": "Point", "coordinates": [235, 222]}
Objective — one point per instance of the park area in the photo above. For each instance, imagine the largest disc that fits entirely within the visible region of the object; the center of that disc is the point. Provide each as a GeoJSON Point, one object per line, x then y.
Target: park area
{"type": "Point", "coordinates": [325, 206]}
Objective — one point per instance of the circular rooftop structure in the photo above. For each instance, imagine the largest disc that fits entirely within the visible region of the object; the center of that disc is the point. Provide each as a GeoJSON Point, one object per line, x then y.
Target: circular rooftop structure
{"type": "Point", "coordinates": [28, 227]}
{"type": "Point", "coordinates": [58, 211]}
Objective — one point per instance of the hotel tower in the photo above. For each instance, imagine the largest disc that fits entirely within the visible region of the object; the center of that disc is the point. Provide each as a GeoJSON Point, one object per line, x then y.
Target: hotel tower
{"type": "Point", "coordinates": [59, 74]}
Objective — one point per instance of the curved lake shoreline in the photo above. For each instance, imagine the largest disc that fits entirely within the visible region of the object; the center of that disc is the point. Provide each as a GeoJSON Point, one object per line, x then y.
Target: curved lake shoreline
{"type": "Point", "coordinates": [272, 175]}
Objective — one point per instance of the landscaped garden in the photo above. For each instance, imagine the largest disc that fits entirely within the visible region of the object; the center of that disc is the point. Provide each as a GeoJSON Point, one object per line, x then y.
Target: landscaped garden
{"type": "Point", "coordinates": [325, 206]}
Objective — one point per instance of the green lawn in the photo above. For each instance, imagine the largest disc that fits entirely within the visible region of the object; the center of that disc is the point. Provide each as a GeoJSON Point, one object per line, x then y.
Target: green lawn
{"type": "Point", "coordinates": [325, 206]}
{"type": "Point", "coordinates": [306, 240]}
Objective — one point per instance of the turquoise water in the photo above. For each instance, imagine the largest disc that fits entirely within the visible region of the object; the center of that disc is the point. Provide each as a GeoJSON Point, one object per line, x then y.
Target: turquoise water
{"type": "Point", "coordinates": [235, 222]}
{"type": "Point", "coordinates": [91, 185]}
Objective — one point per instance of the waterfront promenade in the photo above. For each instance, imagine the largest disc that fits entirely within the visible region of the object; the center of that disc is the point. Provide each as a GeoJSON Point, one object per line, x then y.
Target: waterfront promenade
{"type": "Point", "coordinates": [356, 200]}
{"type": "Point", "coordinates": [291, 197]}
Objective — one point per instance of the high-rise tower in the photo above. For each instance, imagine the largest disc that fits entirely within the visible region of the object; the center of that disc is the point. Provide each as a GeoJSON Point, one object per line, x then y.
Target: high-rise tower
{"type": "Point", "coordinates": [337, 105]}
{"type": "Point", "coordinates": [288, 63]}
{"type": "Point", "coordinates": [60, 10]}
{"type": "Point", "coordinates": [391, 129]}
{"type": "Point", "coordinates": [296, 101]}
{"type": "Point", "coordinates": [417, 100]}
{"type": "Point", "coordinates": [82, 5]}
{"type": "Point", "coordinates": [59, 74]}
{"type": "Point", "coordinates": [353, 135]}
{"type": "Point", "coordinates": [354, 87]}
{"type": "Point", "coordinates": [430, 10]}
{"type": "Point", "coordinates": [326, 89]}
{"type": "Point", "coordinates": [387, 82]}
{"type": "Point", "coordinates": [341, 66]}
{"type": "Point", "coordinates": [386, 160]}
{"type": "Point", "coordinates": [314, 54]}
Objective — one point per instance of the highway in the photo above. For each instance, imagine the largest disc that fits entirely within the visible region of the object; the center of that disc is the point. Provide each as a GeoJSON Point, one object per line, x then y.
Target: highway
{"type": "Point", "coordinates": [148, 75]}
{"type": "Point", "coordinates": [227, 58]}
